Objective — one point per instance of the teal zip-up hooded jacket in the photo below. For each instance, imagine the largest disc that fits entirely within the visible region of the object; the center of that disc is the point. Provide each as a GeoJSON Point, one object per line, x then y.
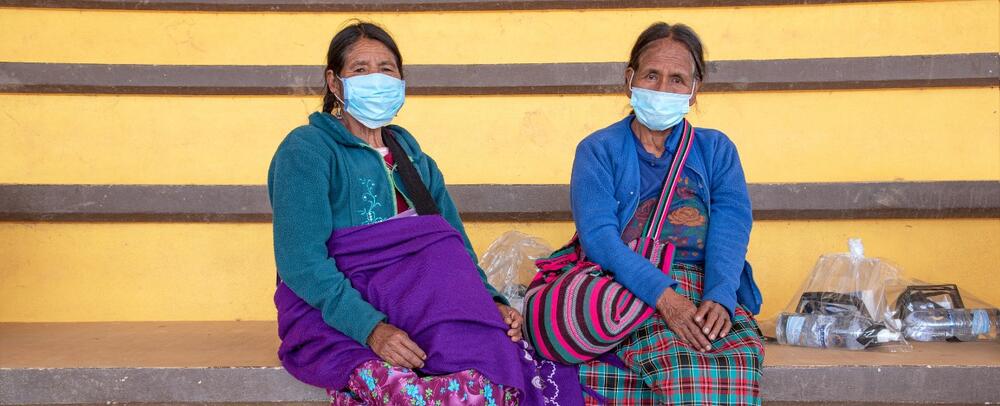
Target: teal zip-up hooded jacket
{"type": "Point", "coordinates": [323, 178]}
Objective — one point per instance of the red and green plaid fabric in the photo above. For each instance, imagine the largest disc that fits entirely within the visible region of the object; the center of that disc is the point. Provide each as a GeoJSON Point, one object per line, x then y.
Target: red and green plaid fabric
{"type": "Point", "coordinates": [665, 370]}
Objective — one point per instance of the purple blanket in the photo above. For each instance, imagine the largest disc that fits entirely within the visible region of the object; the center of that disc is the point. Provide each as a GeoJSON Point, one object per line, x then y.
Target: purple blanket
{"type": "Point", "coordinates": [417, 272]}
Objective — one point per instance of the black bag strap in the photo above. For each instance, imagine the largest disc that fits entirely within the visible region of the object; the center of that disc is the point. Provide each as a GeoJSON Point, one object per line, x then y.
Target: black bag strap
{"type": "Point", "coordinates": [422, 201]}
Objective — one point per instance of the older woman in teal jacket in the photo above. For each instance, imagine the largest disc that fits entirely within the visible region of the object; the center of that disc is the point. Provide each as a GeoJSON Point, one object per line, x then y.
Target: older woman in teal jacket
{"type": "Point", "coordinates": [704, 346]}
{"type": "Point", "coordinates": [335, 173]}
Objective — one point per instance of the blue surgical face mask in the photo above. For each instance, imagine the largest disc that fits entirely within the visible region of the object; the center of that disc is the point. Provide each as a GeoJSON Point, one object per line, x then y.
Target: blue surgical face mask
{"type": "Point", "coordinates": [373, 99]}
{"type": "Point", "coordinates": [659, 111]}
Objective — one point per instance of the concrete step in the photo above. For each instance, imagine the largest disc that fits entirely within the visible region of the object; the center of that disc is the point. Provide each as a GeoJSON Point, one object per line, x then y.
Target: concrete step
{"type": "Point", "coordinates": [235, 362]}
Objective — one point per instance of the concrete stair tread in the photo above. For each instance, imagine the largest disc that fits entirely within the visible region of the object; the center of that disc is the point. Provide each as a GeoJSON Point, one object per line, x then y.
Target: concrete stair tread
{"type": "Point", "coordinates": [235, 361]}
{"type": "Point", "coordinates": [254, 344]}
{"type": "Point", "coordinates": [139, 344]}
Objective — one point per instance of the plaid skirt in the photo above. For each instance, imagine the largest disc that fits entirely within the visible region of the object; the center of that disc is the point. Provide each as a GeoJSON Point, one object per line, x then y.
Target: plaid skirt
{"type": "Point", "coordinates": [662, 369]}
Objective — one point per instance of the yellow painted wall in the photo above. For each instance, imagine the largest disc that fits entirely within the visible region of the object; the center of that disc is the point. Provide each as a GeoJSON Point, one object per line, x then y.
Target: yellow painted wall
{"type": "Point", "coordinates": [863, 29]}
{"type": "Point", "coordinates": [816, 136]}
{"type": "Point", "coordinates": [101, 272]}
{"type": "Point", "coordinates": [149, 271]}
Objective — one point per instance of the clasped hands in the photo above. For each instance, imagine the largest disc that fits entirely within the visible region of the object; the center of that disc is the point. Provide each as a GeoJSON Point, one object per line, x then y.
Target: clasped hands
{"type": "Point", "coordinates": [695, 326]}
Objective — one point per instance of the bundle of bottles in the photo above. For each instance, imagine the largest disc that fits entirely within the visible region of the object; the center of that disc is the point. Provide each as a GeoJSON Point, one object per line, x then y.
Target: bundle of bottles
{"type": "Point", "coordinates": [922, 313]}
{"type": "Point", "coordinates": [845, 304]}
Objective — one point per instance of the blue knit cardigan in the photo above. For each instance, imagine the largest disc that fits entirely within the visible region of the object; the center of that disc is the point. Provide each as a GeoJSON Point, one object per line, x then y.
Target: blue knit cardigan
{"type": "Point", "coordinates": [604, 194]}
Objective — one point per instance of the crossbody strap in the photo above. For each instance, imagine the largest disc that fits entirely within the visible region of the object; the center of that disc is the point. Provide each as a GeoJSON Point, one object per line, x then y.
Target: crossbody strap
{"type": "Point", "coordinates": [423, 203]}
{"type": "Point", "coordinates": [654, 225]}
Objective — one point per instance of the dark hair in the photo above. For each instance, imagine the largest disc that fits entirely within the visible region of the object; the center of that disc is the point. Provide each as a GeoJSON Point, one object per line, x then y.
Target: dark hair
{"type": "Point", "coordinates": [342, 42]}
{"type": "Point", "coordinates": [677, 32]}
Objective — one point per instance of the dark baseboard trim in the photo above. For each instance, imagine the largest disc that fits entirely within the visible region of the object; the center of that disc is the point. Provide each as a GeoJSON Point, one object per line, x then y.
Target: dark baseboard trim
{"type": "Point", "coordinates": [959, 70]}
{"type": "Point", "coordinates": [791, 201]}
{"type": "Point", "coordinates": [396, 5]}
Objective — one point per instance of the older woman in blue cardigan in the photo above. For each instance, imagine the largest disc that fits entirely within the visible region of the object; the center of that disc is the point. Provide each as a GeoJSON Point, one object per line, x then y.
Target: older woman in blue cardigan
{"type": "Point", "coordinates": [703, 346]}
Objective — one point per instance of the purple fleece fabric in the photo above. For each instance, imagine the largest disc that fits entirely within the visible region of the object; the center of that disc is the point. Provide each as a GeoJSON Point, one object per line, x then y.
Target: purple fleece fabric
{"type": "Point", "coordinates": [417, 272]}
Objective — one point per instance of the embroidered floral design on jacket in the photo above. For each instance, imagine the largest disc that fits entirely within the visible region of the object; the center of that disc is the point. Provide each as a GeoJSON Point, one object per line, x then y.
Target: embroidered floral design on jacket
{"type": "Point", "coordinates": [371, 203]}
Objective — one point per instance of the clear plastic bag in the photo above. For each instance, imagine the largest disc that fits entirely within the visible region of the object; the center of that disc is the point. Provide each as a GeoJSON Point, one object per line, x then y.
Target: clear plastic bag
{"type": "Point", "coordinates": [842, 304]}
{"type": "Point", "coordinates": [509, 264]}
{"type": "Point", "coordinates": [942, 312]}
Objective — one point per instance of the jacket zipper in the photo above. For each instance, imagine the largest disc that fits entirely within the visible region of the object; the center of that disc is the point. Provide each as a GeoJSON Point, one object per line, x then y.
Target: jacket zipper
{"type": "Point", "coordinates": [392, 181]}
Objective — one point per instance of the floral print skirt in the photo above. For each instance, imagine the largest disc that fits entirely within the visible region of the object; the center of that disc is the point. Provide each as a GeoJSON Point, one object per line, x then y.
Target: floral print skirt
{"type": "Point", "coordinates": [378, 383]}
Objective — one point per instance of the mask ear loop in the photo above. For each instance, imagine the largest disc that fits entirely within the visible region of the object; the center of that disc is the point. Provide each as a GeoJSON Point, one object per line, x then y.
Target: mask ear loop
{"type": "Point", "coordinates": [339, 112]}
{"type": "Point", "coordinates": [694, 85]}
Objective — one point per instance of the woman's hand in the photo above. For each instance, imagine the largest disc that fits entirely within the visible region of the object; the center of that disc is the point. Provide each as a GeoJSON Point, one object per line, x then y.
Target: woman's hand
{"type": "Point", "coordinates": [394, 346]}
{"type": "Point", "coordinates": [713, 319]}
{"type": "Point", "coordinates": [679, 313]}
{"type": "Point", "coordinates": [513, 319]}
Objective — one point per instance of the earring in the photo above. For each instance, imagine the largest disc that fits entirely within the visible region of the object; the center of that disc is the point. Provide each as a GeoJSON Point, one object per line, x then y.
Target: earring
{"type": "Point", "coordinates": [338, 112]}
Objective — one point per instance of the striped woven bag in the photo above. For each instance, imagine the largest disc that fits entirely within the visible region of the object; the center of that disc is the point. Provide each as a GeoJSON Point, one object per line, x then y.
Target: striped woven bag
{"type": "Point", "coordinates": [575, 311]}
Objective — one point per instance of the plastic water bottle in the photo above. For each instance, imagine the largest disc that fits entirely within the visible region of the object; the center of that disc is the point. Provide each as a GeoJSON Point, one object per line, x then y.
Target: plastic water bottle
{"type": "Point", "coordinates": [822, 330]}
{"type": "Point", "coordinates": [942, 324]}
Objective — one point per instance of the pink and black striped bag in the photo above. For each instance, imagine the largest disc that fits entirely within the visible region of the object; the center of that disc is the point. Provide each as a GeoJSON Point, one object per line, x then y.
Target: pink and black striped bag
{"type": "Point", "coordinates": [574, 310]}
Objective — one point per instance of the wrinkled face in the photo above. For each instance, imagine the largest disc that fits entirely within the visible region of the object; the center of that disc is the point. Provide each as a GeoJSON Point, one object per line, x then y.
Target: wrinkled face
{"type": "Point", "coordinates": [364, 57]}
{"type": "Point", "coordinates": [665, 66]}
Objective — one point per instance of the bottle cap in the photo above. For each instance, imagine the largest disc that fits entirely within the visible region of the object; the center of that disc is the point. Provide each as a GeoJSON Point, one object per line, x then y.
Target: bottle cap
{"type": "Point", "coordinates": [856, 247]}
